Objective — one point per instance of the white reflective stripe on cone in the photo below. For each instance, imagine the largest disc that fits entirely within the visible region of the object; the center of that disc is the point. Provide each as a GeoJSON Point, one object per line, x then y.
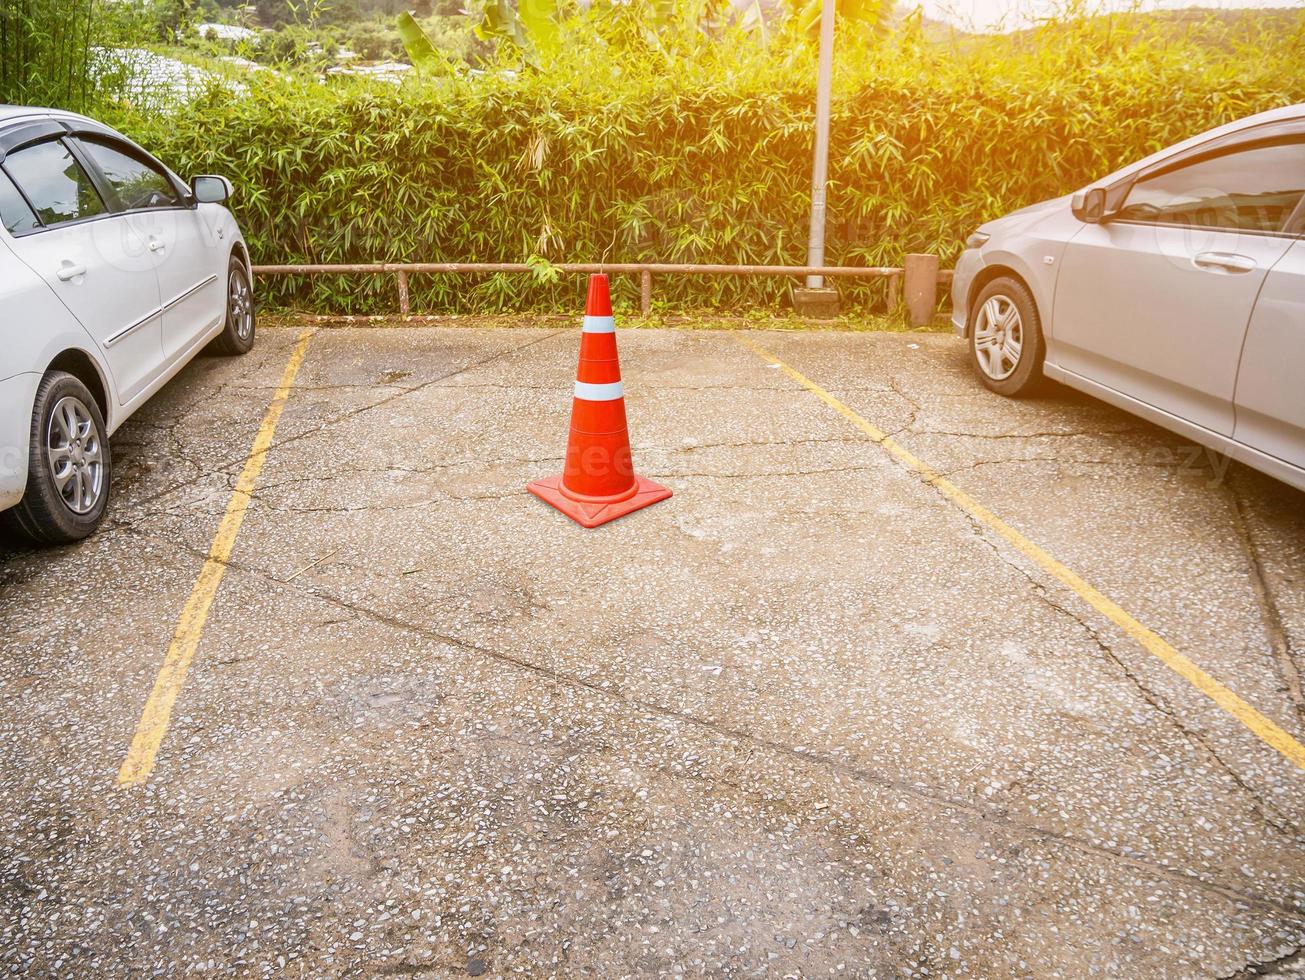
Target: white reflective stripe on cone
{"type": "Point", "coordinates": [598, 393]}
{"type": "Point", "coordinates": [599, 324]}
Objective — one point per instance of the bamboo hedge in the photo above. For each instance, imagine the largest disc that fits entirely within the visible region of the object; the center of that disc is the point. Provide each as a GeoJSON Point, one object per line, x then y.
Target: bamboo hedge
{"type": "Point", "coordinates": [702, 157]}
{"type": "Point", "coordinates": [45, 51]}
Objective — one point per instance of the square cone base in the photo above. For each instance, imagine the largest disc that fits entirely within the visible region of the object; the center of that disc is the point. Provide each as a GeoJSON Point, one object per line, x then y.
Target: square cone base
{"type": "Point", "coordinates": [591, 515]}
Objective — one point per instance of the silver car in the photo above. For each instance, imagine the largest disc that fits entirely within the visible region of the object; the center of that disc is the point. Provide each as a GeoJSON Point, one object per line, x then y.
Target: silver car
{"type": "Point", "coordinates": [1173, 288]}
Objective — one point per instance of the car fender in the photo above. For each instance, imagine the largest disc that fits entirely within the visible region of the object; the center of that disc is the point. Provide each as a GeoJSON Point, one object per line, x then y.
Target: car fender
{"type": "Point", "coordinates": [26, 353]}
{"type": "Point", "coordinates": [223, 232]}
{"type": "Point", "coordinates": [221, 225]}
{"type": "Point", "coordinates": [18, 395]}
{"type": "Point", "coordinates": [1031, 244]}
{"type": "Point", "coordinates": [1034, 276]}
{"type": "Point", "coordinates": [240, 250]}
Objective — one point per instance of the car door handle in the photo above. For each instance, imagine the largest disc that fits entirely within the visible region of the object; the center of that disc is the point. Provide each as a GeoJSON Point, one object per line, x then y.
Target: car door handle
{"type": "Point", "coordinates": [68, 270]}
{"type": "Point", "coordinates": [1223, 261]}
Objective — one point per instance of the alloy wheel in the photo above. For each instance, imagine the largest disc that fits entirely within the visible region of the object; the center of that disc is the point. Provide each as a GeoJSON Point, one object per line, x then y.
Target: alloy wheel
{"type": "Point", "coordinates": [998, 337]}
{"type": "Point", "coordinates": [75, 456]}
{"type": "Point", "coordinates": [240, 304]}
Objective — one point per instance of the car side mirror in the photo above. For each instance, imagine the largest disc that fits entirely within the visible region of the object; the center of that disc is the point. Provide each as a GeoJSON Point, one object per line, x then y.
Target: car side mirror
{"type": "Point", "coordinates": [210, 189]}
{"type": "Point", "coordinates": [1089, 205]}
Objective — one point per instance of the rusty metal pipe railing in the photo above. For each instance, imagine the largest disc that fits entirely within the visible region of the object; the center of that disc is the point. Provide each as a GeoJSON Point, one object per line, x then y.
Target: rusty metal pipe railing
{"type": "Point", "coordinates": [645, 270]}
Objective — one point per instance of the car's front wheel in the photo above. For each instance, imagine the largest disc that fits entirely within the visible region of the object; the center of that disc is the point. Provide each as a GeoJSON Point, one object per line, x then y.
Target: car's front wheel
{"type": "Point", "coordinates": [68, 466]}
{"type": "Point", "coordinates": [237, 336]}
{"type": "Point", "coordinates": [1006, 343]}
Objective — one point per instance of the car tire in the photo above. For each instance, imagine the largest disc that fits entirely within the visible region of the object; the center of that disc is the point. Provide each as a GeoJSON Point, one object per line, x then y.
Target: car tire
{"type": "Point", "coordinates": [69, 468]}
{"type": "Point", "coordinates": [1006, 343]}
{"type": "Point", "coordinates": [237, 336]}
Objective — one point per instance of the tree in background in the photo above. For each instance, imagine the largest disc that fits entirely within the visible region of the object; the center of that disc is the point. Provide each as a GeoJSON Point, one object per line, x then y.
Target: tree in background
{"type": "Point", "coordinates": [172, 18]}
{"type": "Point", "coordinates": [536, 29]}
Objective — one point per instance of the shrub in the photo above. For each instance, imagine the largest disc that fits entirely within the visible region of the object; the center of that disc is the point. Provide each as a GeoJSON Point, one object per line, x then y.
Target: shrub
{"type": "Point", "coordinates": [698, 150]}
{"type": "Point", "coordinates": [369, 41]}
{"type": "Point", "coordinates": [45, 51]}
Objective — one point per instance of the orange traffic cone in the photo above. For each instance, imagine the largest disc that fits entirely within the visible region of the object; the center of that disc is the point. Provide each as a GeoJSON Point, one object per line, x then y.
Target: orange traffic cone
{"type": "Point", "coordinates": [598, 484]}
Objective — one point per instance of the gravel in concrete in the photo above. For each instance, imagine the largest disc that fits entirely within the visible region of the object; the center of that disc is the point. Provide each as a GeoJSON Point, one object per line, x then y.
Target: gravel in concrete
{"type": "Point", "coordinates": [804, 718]}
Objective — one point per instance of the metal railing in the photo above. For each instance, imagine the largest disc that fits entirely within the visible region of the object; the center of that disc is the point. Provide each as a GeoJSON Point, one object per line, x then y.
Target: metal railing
{"type": "Point", "coordinates": [922, 285]}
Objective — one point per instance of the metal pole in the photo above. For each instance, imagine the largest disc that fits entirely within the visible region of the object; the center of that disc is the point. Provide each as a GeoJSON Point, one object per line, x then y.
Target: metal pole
{"type": "Point", "coordinates": [402, 277]}
{"type": "Point", "coordinates": [652, 268]}
{"type": "Point", "coordinates": [820, 165]}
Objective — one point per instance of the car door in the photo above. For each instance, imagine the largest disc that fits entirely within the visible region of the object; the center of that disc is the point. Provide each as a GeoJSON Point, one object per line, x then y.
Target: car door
{"type": "Point", "coordinates": [1155, 301]}
{"type": "Point", "coordinates": [94, 260]}
{"type": "Point", "coordinates": [1270, 397]}
{"type": "Point", "coordinates": [186, 254]}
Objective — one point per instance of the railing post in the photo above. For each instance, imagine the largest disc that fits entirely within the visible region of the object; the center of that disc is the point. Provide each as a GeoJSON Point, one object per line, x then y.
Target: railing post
{"type": "Point", "coordinates": [920, 274]}
{"type": "Point", "coordinates": [402, 278]}
{"type": "Point", "coordinates": [645, 292]}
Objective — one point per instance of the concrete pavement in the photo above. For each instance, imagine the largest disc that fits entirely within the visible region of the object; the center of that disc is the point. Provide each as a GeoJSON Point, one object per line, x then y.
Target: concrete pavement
{"type": "Point", "coordinates": [807, 717]}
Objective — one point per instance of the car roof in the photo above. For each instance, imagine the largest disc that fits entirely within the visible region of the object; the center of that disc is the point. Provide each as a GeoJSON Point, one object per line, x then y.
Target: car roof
{"type": "Point", "coordinates": [18, 113]}
{"type": "Point", "coordinates": [1272, 115]}
{"type": "Point", "coordinates": [1282, 114]}
{"type": "Point", "coordinates": [10, 112]}
{"type": "Point", "coordinates": [13, 115]}
{"type": "Point", "coordinates": [1260, 118]}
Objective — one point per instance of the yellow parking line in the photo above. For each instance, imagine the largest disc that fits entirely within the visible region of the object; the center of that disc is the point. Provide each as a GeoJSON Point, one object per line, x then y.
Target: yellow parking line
{"type": "Point", "coordinates": [154, 719]}
{"type": "Point", "coordinates": [1260, 726]}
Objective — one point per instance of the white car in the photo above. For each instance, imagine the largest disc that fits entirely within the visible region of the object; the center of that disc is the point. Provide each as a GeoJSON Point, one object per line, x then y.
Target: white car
{"type": "Point", "coordinates": [1173, 288]}
{"type": "Point", "coordinates": [113, 275]}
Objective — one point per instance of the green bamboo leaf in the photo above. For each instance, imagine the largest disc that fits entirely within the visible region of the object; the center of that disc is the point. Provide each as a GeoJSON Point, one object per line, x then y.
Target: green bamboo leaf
{"type": "Point", "coordinates": [539, 19]}
{"type": "Point", "coordinates": [421, 50]}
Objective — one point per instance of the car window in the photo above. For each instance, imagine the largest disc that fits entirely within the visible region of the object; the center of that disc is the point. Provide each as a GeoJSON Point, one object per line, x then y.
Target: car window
{"type": "Point", "coordinates": [137, 184]}
{"type": "Point", "coordinates": [1251, 190]}
{"type": "Point", "coordinates": [54, 182]}
{"type": "Point", "coordinates": [16, 216]}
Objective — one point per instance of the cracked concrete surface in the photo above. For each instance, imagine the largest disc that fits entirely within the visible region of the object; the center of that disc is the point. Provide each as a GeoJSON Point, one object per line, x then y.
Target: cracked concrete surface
{"type": "Point", "coordinates": [804, 718]}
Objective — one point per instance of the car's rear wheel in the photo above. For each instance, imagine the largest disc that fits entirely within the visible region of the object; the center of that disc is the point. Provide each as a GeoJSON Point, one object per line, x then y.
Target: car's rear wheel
{"type": "Point", "coordinates": [69, 469]}
{"type": "Point", "coordinates": [1006, 343]}
{"type": "Point", "coordinates": [237, 336]}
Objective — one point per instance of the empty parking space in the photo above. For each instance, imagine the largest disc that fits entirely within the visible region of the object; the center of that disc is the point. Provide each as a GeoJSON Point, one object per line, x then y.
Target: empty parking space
{"type": "Point", "coordinates": [811, 715]}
